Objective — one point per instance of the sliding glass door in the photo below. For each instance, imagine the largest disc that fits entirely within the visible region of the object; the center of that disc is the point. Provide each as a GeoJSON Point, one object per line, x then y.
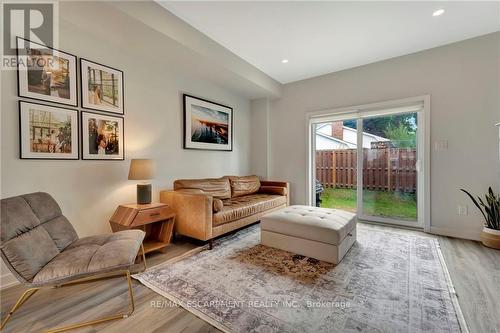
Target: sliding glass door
{"type": "Point", "coordinates": [336, 164]}
{"type": "Point", "coordinates": [370, 163]}
{"type": "Point", "coordinates": [389, 169]}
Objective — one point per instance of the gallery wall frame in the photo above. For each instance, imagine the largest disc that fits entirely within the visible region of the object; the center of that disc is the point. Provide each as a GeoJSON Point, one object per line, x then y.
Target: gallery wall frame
{"type": "Point", "coordinates": [108, 147]}
{"type": "Point", "coordinates": [95, 91]}
{"type": "Point", "coordinates": [45, 73]}
{"type": "Point", "coordinates": [38, 138]}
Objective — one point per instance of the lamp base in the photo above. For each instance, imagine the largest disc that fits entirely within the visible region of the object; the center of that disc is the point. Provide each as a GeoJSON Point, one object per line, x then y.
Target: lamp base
{"type": "Point", "coordinates": [143, 194]}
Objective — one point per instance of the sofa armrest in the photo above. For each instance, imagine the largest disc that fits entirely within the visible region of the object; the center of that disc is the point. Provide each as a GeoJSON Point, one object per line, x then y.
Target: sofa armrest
{"type": "Point", "coordinates": [277, 190]}
{"type": "Point", "coordinates": [193, 212]}
{"type": "Point", "coordinates": [274, 183]}
{"type": "Point", "coordinates": [285, 188]}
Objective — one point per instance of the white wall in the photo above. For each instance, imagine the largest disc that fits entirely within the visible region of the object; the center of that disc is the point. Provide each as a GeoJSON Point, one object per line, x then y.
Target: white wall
{"type": "Point", "coordinates": [463, 81]}
{"type": "Point", "coordinates": [89, 191]}
{"type": "Point", "coordinates": [260, 137]}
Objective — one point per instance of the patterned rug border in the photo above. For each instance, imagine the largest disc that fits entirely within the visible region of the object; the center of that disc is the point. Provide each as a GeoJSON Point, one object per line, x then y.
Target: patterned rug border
{"type": "Point", "coordinates": [174, 299]}
{"type": "Point", "coordinates": [451, 289]}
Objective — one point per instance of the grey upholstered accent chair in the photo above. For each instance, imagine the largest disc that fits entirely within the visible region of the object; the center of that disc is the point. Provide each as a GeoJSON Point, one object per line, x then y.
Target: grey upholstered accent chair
{"type": "Point", "coordinates": [41, 248]}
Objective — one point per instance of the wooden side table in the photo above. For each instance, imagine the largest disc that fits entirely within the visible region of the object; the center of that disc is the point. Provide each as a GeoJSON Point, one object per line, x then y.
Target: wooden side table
{"type": "Point", "coordinates": [155, 219]}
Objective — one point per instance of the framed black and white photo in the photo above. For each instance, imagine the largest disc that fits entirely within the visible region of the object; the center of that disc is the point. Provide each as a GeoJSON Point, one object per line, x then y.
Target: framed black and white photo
{"type": "Point", "coordinates": [102, 87]}
{"type": "Point", "coordinates": [47, 132]}
{"type": "Point", "coordinates": [46, 74]}
{"type": "Point", "coordinates": [102, 137]}
{"type": "Point", "coordinates": [207, 125]}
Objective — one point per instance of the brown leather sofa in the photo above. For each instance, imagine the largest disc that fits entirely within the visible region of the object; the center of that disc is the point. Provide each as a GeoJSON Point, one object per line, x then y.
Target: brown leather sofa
{"type": "Point", "coordinates": [207, 208]}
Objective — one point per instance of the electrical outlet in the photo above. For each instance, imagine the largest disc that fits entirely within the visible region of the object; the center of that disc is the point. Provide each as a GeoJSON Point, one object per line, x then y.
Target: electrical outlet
{"type": "Point", "coordinates": [462, 210]}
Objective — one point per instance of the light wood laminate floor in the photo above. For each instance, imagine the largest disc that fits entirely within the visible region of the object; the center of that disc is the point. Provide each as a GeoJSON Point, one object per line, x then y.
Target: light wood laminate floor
{"type": "Point", "coordinates": [474, 269]}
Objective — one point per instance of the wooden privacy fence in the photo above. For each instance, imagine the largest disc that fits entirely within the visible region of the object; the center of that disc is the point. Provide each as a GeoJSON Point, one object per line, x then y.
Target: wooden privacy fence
{"type": "Point", "coordinates": [389, 169]}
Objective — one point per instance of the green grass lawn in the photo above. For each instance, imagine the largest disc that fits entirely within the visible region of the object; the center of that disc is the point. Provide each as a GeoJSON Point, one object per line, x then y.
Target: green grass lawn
{"type": "Point", "coordinates": [376, 203]}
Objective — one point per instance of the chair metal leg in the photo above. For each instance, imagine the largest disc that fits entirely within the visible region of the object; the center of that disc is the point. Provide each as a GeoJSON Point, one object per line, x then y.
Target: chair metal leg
{"type": "Point", "coordinates": [28, 293]}
{"type": "Point", "coordinates": [24, 297]}
{"type": "Point", "coordinates": [143, 257]}
{"type": "Point", "coordinates": [131, 294]}
{"type": "Point", "coordinates": [104, 319]}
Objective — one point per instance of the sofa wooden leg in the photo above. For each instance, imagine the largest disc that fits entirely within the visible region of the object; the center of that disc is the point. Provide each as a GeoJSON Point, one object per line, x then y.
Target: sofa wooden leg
{"type": "Point", "coordinates": [210, 244]}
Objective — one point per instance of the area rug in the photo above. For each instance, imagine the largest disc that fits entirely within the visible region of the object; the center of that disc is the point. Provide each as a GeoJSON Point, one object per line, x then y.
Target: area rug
{"type": "Point", "coordinates": [388, 282]}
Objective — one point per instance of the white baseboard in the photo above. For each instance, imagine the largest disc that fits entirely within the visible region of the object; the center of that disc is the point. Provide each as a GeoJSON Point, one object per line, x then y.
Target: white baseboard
{"type": "Point", "coordinates": [468, 234]}
{"type": "Point", "coordinates": [7, 280]}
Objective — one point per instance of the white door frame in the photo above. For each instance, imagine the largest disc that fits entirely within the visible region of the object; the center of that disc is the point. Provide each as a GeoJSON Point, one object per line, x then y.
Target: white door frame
{"type": "Point", "coordinates": [370, 110]}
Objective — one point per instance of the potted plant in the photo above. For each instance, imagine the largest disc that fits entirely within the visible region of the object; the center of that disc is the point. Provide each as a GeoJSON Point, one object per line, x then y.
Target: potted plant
{"type": "Point", "coordinates": [490, 236]}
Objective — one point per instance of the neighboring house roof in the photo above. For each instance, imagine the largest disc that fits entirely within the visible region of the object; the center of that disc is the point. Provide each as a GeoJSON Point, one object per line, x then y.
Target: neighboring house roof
{"type": "Point", "coordinates": [350, 144]}
{"type": "Point", "coordinates": [376, 137]}
{"type": "Point", "coordinates": [373, 136]}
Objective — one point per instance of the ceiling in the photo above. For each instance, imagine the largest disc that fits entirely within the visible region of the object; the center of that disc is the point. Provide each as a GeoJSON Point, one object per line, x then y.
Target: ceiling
{"type": "Point", "coordinates": [323, 37]}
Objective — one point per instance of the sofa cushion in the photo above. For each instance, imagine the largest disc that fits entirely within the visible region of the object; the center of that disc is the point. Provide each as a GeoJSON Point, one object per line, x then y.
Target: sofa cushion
{"type": "Point", "coordinates": [240, 207]}
{"type": "Point", "coordinates": [244, 185]}
{"type": "Point", "coordinates": [216, 187]}
{"type": "Point", "coordinates": [91, 255]}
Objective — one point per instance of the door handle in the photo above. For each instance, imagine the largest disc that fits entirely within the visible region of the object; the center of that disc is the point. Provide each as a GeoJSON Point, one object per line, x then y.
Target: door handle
{"type": "Point", "coordinates": [418, 165]}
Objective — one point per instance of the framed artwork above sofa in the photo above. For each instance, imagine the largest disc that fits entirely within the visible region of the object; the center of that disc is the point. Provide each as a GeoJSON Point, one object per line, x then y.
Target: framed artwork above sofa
{"type": "Point", "coordinates": [207, 125]}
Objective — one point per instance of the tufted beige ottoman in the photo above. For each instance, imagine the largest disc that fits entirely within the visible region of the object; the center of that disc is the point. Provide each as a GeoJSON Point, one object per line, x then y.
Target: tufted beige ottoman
{"type": "Point", "coordinates": [321, 233]}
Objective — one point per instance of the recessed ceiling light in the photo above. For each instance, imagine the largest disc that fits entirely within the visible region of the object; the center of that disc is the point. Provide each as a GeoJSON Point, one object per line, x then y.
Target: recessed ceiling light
{"type": "Point", "coordinates": [284, 61]}
{"type": "Point", "coordinates": [438, 12]}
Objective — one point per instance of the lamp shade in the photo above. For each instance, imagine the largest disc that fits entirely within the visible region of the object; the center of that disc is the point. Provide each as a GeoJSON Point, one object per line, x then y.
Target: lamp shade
{"type": "Point", "coordinates": [141, 169]}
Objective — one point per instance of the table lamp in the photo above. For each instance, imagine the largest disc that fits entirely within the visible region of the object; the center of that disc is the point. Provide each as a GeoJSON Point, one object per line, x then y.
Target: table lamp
{"type": "Point", "coordinates": [142, 169]}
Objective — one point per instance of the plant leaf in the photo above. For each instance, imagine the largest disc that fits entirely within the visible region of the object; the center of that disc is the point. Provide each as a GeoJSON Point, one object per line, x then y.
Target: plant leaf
{"type": "Point", "coordinates": [490, 208]}
{"type": "Point", "coordinates": [475, 203]}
